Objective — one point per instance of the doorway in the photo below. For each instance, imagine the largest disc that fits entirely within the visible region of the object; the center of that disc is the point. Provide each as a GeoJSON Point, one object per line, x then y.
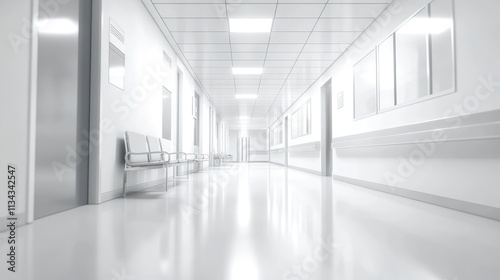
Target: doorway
{"type": "Point", "coordinates": [63, 113]}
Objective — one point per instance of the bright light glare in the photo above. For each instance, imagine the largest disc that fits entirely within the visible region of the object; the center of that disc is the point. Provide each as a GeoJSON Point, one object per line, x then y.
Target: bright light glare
{"type": "Point", "coordinates": [246, 96]}
{"type": "Point", "coordinates": [247, 71]}
{"type": "Point", "coordinates": [117, 71]}
{"type": "Point", "coordinates": [57, 26]}
{"type": "Point", "coordinates": [247, 25]}
{"type": "Point", "coordinates": [426, 26]}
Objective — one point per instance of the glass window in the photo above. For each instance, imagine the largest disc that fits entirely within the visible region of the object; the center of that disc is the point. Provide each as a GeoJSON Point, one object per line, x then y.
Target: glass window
{"type": "Point", "coordinates": [116, 69]}
{"type": "Point", "coordinates": [387, 94]}
{"type": "Point", "coordinates": [365, 86]}
{"type": "Point", "coordinates": [301, 121]}
{"type": "Point", "coordinates": [443, 66]}
{"type": "Point", "coordinates": [411, 59]}
{"type": "Point", "coordinates": [167, 114]}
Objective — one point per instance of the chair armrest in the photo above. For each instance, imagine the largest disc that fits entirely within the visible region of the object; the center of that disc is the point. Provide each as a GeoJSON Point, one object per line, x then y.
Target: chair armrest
{"type": "Point", "coordinates": [178, 153]}
{"type": "Point", "coordinates": [194, 156]}
{"type": "Point", "coordinates": [129, 154]}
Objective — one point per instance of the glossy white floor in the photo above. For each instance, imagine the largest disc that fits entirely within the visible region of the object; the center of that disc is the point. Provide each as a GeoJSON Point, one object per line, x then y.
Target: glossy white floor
{"type": "Point", "coordinates": [258, 221]}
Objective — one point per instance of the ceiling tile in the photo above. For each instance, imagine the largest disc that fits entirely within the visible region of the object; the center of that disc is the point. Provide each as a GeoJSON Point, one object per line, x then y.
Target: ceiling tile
{"type": "Point", "coordinates": [237, 48]}
{"type": "Point", "coordinates": [274, 76]}
{"type": "Point", "coordinates": [276, 70]}
{"type": "Point", "coordinates": [353, 10]}
{"type": "Point", "coordinates": [307, 64]}
{"type": "Point", "coordinates": [303, 1]}
{"type": "Point", "coordinates": [289, 37]}
{"type": "Point", "coordinates": [200, 37]}
{"type": "Point", "coordinates": [193, 24]}
{"type": "Point", "coordinates": [319, 56]}
{"type": "Point", "coordinates": [335, 48]}
{"type": "Point", "coordinates": [249, 56]}
{"type": "Point", "coordinates": [295, 24]}
{"type": "Point", "coordinates": [251, 1]}
{"type": "Point", "coordinates": [344, 24]}
{"type": "Point", "coordinates": [285, 47]}
{"type": "Point", "coordinates": [333, 37]}
{"type": "Point", "coordinates": [188, 1]}
{"type": "Point", "coordinates": [207, 56]}
{"type": "Point", "coordinates": [360, 1]}
{"type": "Point", "coordinates": [242, 10]}
{"type": "Point", "coordinates": [312, 70]}
{"type": "Point", "coordinates": [216, 10]}
{"type": "Point", "coordinates": [279, 64]}
{"type": "Point", "coordinates": [205, 48]}
{"type": "Point", "coordinates": [226, 70]}
{"type": "Point", "coordinates": [249, 38]}
{"type": "Point", "coordinates": [248, 63]}
{"type": "Point", "coordinates": [299, 10]}
{"type": "Point", "coordinates": [215, 63]}
{"type": "Point", "coordinates": [282, 56]}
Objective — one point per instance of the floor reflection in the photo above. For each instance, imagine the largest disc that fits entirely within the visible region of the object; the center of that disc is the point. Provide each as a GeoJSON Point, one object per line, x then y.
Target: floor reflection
{"type": "Point", "coordinates": [259, 221]}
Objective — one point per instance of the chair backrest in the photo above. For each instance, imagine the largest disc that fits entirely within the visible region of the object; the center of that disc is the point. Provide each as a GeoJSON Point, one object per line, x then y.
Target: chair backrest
{"type": "Point", "coordinates": [136, 143]}
{"type": "Point", "coordinates": [154, 146]}
{"type": "Point", "coordinates": [164, 147]}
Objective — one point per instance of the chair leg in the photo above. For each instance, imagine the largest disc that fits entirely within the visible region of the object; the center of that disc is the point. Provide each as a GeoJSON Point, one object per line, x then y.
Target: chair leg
{"type": "Point", "coordinates": [166, 179]}
{"type": "Point", "coordinates": [124, 193]}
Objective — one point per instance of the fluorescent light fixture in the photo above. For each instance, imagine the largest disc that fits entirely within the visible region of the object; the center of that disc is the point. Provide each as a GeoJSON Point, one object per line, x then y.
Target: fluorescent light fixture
{"type": "Point", "coordinates": [250, 25]}
{"type": "Point", "coordinates": [57, 26]}
{"type": "Point", "coordinates": [426, 26]}
{"type": "Point", "coordinates": [247, 71]}
{"type": "Point", "coordinates": [246, 96]}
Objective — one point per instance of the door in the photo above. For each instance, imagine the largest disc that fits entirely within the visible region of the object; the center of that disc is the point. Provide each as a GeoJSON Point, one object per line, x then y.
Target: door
{"type": "Point", "coordinates": [63, 110]}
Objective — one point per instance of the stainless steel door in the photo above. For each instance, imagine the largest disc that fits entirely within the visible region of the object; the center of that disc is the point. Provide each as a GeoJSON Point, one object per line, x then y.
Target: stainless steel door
{"type": "Point", "coordinates": [63, 97]}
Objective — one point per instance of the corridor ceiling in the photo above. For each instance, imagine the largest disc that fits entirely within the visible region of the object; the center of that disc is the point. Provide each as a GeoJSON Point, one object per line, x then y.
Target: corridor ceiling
{"type": "Point", "coordinates": [306, 37]}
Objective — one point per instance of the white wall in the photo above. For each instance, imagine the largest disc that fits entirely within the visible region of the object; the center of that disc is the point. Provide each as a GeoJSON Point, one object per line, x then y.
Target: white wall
{"type": "Point", "coordinates": [461, 170]}
{"type": "Point", "coordinates": [139, 107]}
{"type": "Point", "coordinates": [15, 82]}
{"type": "Point", "coordinates": [303, 152]}
{"type": "Point", "coordinates": [259, 150]}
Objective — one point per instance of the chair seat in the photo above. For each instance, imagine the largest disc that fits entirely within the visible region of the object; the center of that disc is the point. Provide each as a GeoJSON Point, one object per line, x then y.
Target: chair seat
{"type": "Point", "coordinates": [178, 161]}
{"type": "Point", "coordinates": [146, 163]}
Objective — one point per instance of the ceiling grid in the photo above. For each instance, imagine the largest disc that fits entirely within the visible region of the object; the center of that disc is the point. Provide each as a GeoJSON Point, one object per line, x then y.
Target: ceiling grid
{"type": "Point", "coordinates": [306, 38]}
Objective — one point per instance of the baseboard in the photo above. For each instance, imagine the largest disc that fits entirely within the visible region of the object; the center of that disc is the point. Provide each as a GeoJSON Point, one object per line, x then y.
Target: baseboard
{"type": "Point", "coordinates": [107, 196]}
{"type": "Point", "coordinates": [315, 172]}
{"type": "Point", "coordinates": [450, 203]}
{"type": "Point", "coordinates": [280, 164]}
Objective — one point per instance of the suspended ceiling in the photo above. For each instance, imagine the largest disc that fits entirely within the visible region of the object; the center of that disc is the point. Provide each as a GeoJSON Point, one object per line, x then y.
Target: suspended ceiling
{"type": "Point", "coordinates": [306, 38]}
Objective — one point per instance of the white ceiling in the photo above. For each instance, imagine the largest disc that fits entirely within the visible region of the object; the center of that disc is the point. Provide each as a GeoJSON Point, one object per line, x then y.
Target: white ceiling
{"type": "Point", "coordinates": [307, 37]}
